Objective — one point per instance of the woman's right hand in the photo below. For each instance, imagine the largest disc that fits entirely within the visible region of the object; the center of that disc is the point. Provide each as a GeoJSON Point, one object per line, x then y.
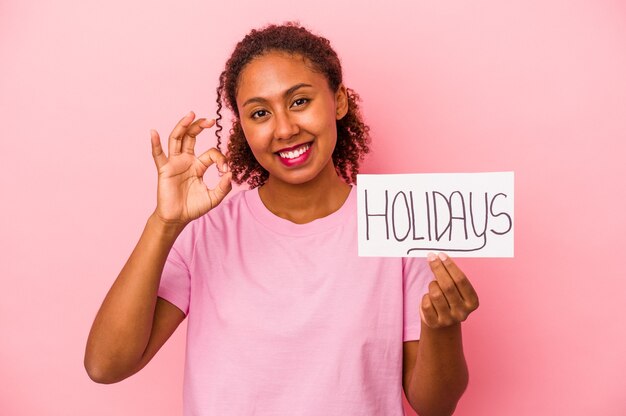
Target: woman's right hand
{"type": "Point", "coordinates": [182, 195]}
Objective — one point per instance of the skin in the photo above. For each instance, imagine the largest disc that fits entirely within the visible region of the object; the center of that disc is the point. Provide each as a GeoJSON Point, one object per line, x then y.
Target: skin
{"type": "Point", "coordinates": [132, 323]}
{"type": "Point", "coordinates": [282, 102]}
{"type": "Point", "coordinates": [434, 369]}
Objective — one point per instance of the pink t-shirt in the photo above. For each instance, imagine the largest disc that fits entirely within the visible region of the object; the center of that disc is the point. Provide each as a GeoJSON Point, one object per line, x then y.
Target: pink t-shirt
{"type": "Point", "coordinates": [287, 319]}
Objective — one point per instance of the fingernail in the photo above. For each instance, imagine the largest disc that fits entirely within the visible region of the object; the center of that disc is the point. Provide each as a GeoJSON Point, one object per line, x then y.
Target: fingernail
{"type": "Point", "coordinates": [225, 167]}
{"type": "Point", "coordinates": [443, 256]}
{"type": "Point", "coordinates": [431, 257]}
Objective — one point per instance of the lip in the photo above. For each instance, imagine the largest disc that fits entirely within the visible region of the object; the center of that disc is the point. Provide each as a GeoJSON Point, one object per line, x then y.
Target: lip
{"type": "Point", "coordinates": [288, 149]}
{"type": "Point", "coordinates": [297, 160]}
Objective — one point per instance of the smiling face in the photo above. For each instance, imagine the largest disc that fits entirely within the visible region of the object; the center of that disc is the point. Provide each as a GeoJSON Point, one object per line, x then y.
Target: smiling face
{"type": "Point", "coordinates": [288, 114]}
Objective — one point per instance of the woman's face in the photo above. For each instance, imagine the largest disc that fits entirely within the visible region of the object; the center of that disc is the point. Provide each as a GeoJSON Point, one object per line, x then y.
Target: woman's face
{"type": "Point", "coordinates": [288, 114]}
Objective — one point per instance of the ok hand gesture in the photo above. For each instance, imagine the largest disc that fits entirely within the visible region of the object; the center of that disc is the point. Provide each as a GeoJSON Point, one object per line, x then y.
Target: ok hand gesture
{"type": "Point", "coordinates": [182, 195]}
{"type": "Point", "coordinates": [450, 298]}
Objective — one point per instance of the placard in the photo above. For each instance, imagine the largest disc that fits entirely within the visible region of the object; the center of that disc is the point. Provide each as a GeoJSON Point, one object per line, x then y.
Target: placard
{"type": "Point", "coordinates": [410, 215]}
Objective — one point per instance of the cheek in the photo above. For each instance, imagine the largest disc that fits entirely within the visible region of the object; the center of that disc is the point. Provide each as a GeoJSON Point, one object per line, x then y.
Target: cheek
{"type": "Point", "coordinates": [322, 121]}
{"type": "Point", "coordinates": [331, 118]}
{"type": "Point", "coordinates": [258, 144]}
{"type": "Point", "coordinates": [253, 135]}
{"type": "Point", "coordinates": [330, 125]}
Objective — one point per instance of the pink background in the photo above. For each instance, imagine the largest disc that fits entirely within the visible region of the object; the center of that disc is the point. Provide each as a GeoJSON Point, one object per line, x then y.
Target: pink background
{"type": "Point", "coordinates": [538, 87]}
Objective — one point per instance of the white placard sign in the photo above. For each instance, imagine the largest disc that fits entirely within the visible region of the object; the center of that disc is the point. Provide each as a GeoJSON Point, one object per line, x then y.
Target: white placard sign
{"type": "Point", "coordinates": [410, 215]}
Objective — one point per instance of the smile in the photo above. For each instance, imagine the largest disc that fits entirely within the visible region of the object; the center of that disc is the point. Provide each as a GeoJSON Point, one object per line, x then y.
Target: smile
{"type": "Point", "coordinates": [294, 153]}
{"type": "Point", "coordinates": [295, 156]}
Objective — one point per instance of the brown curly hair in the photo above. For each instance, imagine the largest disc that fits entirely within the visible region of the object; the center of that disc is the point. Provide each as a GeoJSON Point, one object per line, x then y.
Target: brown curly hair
{"type": "Point", "coordinates": [352, 133]}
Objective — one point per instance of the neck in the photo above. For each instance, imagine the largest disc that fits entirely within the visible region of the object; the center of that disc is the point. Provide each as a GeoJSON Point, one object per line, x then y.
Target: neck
{"type": "Point", "coordinates": [305, 202]}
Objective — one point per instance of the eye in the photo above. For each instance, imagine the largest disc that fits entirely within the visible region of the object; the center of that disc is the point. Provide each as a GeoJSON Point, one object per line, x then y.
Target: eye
{"type": "Point", "coordinates": [300, 102]}
{"type": "Point", "coordinates": [259, 114]}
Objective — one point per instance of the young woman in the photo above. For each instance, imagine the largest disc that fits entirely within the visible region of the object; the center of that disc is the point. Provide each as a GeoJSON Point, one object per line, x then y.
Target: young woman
{"type": "Point", "coordinates": [283, 316]}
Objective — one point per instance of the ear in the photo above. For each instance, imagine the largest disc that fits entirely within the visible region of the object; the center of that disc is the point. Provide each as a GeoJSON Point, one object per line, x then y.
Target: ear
{"type": "Point", "coordinates": [341, 101]}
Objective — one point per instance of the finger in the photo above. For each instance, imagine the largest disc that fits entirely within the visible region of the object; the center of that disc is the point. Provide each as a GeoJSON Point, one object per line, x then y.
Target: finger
{"type": "Point", "coordinates": [428, 312]}
{"type": "Point", "coordinates": [157, 151]}
{"type": "Point", "coordinates": [189, 139]}
{"type": "Point", "coordinates": [438, 298]}
{"type": "Point", "coordinates": [444, 311]}
{"type": "Point", "coordinates": [176, 136]}
{"type": "Point", "coordinates": [465, 288]}
{"type": "Point", "coordinates": [445, 281]}
{"type": "Point", "coordinates": [223, 187]}
{"type": "Point", "coordinates": [214, 156]}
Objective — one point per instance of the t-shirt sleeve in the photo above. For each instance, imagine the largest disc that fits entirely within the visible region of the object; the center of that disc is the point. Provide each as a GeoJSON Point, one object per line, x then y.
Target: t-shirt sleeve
{"type": "Point", "coordinates": [176, 279]}
{"type": "Point", "coordinates": [417, 275]}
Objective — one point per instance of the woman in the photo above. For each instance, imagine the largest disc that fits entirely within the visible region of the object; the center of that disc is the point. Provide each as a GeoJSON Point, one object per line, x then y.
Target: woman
{"type": "Point", "coordinates": [283, 316]}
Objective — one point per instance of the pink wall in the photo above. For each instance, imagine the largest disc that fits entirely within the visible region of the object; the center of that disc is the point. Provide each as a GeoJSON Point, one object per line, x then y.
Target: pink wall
{"type": "Point", "coordinates": [538, 87]}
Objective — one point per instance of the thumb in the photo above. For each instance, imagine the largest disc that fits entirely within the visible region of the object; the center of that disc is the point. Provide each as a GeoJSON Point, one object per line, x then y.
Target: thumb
{"type": "Point", "coordinates": [157, 151]}
{"type": "Point", "coordinates": [223, 187]}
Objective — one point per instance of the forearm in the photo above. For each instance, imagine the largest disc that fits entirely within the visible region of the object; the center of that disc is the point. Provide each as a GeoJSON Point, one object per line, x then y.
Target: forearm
{"type": "Point", "coordinates": [122, 327]}
{"type": "Point", "coordinates": [440, 375]}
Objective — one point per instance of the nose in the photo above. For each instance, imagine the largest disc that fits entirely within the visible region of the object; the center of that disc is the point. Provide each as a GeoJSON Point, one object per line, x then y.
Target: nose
{"type": "Point", "coordinates": [285, 126]}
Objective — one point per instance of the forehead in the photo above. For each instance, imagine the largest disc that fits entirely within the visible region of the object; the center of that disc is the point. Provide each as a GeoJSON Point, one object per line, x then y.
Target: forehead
{"type": "Point", "coordinates": [274, 72]}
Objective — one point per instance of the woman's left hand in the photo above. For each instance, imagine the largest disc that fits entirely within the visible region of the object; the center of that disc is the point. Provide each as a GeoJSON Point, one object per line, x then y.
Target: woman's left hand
{"type": "Point", "coordinates": [450, 298]}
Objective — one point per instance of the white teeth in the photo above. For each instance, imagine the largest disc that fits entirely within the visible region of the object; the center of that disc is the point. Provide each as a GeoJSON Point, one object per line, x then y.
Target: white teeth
{"type": "Point", "coordinates": [294, 153]}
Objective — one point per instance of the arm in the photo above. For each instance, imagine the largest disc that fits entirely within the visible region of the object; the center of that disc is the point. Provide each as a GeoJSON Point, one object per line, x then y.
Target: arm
{"type": "Point", "coordinates": [434, 369]}
{"type": "Point", "coordinates": [132, 323]}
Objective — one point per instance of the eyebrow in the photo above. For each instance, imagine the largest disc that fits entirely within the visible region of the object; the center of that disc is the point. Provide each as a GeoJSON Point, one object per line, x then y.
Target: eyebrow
{"type": "Point", "coordinates": [288, 92]}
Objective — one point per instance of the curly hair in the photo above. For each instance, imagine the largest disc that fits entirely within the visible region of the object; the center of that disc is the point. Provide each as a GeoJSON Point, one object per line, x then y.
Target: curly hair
{"type": "Point", "coordinates": [352, 133]}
